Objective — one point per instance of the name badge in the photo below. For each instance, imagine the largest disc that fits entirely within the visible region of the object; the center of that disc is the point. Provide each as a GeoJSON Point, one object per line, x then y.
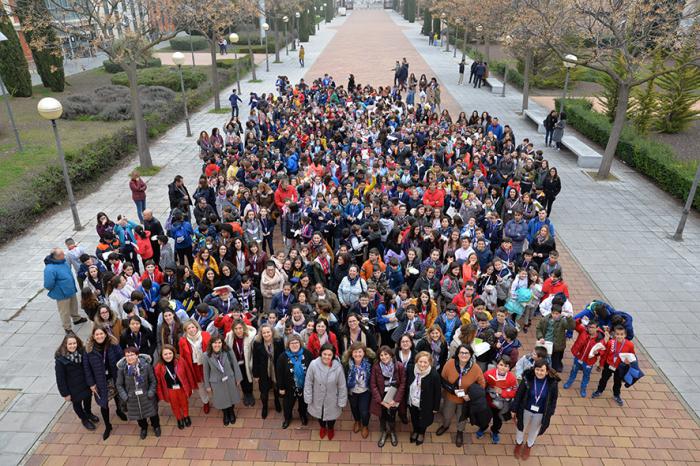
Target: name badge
{"type": "Point", "coordinates": [460, 393]}
{"type": "Point", "coordinates": [138, 392]}
{"type": "Point", "coordinates": [224, 379]}
{"type": "Point", "coordinates": [535, 409]}
{"type": "Point", "coordinates": [176, 387]}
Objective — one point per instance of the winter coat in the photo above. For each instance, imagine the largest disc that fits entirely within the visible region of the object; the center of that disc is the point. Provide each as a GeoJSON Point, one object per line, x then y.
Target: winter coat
{"type": "Point", "coordinates": [325, 390]}
{"type": "Point", "coordinates": [349, 294]}
{"type": "Point", "coordinates": [187, 383]}
{"type": "Point", "coordinates": [477, 408]}
{"type": "Point", "coordinates": [424, 345]}
{"type": "Point", "coordinates": [138, 189]}
{"type": "Point", "coordinates": [450, 377]}
{"type": "Point", "coordinates": [314, 344]}
{"type": "Point", "coordinates": [366, 337]}
{"type": "Point", "coordinates": [285, 372]}
{"type": "Point", "coordinates": [247, 349]}
{"type": "Point", "coordinates": [418, 327]}
{"type": "Point", "coordinates": [58, 279]}
{"type": "Point", "coordinates": [225, 393]}
{"type": "Point", "coordinates": [196, 371]}
{"type": "Point", "coordinates": [145, 404]}
{"type": "Point", "coordinates": [581, 349]}
{"type": "Point", "coordinates": [96, 366]}
{"type": "Point", "coordinates": [558, 133]}
{"type": "Point", "coordinates": [70, 379]}
{"type": "Point", "coordinates": [560, 328]}
{"type": "Point", "coordinates": [270, 286]}
{"type": "Point", "coordinates": [431, 393]}
{"type": "Point", "coordinates": [145, 341]}
{"type": "Point", "coordinates": [376, 386]}
{"type": "Point", "coordinates": [260, 360]}
{"type": "Point", "coordinates": [520, 402]}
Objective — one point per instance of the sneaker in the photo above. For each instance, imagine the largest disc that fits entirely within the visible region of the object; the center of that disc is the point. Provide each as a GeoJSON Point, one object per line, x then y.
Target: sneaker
{"type": "Point", "coordinates": [583, 393]}
{"type": "Point", "coordinates": [479, 433]}
{"type": "Point", "coordinates": [567, 385]}
{"type": "Point", "coordinates": [82, 320]}
{"type": "Point", "coordinates": [618, 400]}
{"type": "Point", "coordinates": [596, 394]}
{"type": "Point", "coordinates": [495, 438]}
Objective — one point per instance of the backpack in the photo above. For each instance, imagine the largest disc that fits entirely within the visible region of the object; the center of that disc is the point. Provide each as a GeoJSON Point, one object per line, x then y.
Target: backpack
{"type": "Point", "coordinates": [179, 233]}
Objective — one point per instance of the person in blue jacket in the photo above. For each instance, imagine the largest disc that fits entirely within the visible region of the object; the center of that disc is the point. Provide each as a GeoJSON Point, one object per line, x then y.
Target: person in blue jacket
{"type": "Point", "coordinates": [607, 316]}
{"type": "Point", "coordinates": [59, 281]}
{"type": "Point", "coordinates": [181, 231]}
{"type": "Point", "coordinates": [234, 99]}
{"type": "Point", "coordinates": [124, 230]}
{"type": "Point", "coordinates": [534, 225]}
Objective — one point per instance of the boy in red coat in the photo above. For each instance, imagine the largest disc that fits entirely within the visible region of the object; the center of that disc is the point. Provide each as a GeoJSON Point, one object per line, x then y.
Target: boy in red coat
{"type": "Point", "coordinates": [501, 387]}
{"type": "Point", "coordinates": [613, 363]}
{"type": "Point", "coordinates": [588, 335]}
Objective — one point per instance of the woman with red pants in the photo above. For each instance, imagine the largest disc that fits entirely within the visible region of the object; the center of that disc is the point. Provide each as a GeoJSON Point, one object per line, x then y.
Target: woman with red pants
{"type": "Point", "coordinates": [174, 384]}
{"type": "Point", "coordinates": [193, 344]}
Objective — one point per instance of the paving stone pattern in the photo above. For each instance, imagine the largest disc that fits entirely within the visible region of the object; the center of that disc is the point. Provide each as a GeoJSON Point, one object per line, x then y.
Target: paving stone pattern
{"type": "Point", "coordinates": [607, 245]}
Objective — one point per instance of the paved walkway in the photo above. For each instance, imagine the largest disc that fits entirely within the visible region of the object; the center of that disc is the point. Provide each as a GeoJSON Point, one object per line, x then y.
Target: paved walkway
{"type": "Point", "coordinates": [653, 426]}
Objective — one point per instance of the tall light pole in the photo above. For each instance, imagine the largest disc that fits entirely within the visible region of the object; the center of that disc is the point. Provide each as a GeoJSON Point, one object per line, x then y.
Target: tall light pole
{"type": "Point", "coordinates": [51, 109]}
{"type": "Point", "coordinates": [447, 32]}
{"type": "Point", "coordinates": [179, 59]}
{"type": "Point", "coordinates": [266, 27]}
{"type": "Point", "coordinates": [479, 30]}
{"type": "Point", "coordinates": [297, 15]}
{"type": "Point", "coordinates": [285, 20]}
{"type": "Point", "coordinates": [569, 63]}
{"type": "Point", "coordinates": [233, 38]}
{"type": "Point", "coordinates": [322, 14]}
{"type": "Point", "coordinates": [508, 41]}
{"type": "Point", "coordinates": [3, 38]}
{"type": "Point", "coordinates": [454, 49]}
{"type": "Point", "coordinates": [678, 235]}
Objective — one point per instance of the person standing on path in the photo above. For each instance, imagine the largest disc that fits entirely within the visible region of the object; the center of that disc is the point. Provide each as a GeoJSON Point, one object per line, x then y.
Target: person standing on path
{"type": "Point", "coordinates": [461, 72]}
{"type": "Point", "coordinates": [59, 281]}
{"type": "Point", "coordinates": [558, 132]}
{"type": "Point", "coordinates": [234, 99]}
{"type": "Point", "coordinates": [138, 193]}
{"type": "Point", "coordinates": [302, 52]}
{"type": "Point", "coordinates": [472, 70]}
{"type": "Point", "coordinates": [479, 74]}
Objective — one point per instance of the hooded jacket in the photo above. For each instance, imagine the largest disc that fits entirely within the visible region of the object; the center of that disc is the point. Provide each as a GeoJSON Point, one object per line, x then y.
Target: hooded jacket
{"type": "Point", "coordinates": [58, 279]}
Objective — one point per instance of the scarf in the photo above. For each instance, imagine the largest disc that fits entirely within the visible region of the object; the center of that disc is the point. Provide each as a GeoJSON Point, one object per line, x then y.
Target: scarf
{"type": "Point", "coordinates": [436, 349]}
{"type": "Point", "coordinates": [323, 339]}
{"type": "Point", "coordinates": [75, 357]}
{"type": "Point", "coordinates": [246, 297]}
{"type": "Point", "coordinates": [325, 265]}
{"type": "Point", "coordinates": [298, 367]}
{"type": "Point", "coordinates": [358, 375]}
{"type": "Point", "coordinates": [466, 369]}
{"type": "Point", "coordinates": [387, 369]}
{"type": "Point", "coordinates": [270, 350]}
{"type": "Point", "coordinates": [204, 321]}
{"type": "Point", "coordinates": [196, 345]}
{"type": "Point", "coordinates": [415, 388]}
{"type": "Point", "coordinates": [353, 281]}
{"type": "Point", "coordinates": [135, 372]}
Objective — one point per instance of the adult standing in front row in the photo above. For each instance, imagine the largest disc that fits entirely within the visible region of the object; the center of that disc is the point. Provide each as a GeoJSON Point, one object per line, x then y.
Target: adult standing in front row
{"type": "Point", "coordinates": [222, 378]}
{"type": "Point", "coordinates": [292, 366]}
{"type": "Point", "coordinates": [58, 279]}
{"type": "Point", "coordinates": [70, 379]}
{"type": "Point", "coordinates": [325, 390]}
{"type": "Point", "coordinates": [136, 385]}
{"type": "Point", "coordinates": [423, 395]}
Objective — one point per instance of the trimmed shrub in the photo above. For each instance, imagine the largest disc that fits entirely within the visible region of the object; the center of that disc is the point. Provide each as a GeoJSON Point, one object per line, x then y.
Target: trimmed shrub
{"type": "Point", "coordinates": [182, 43]}
{"type": "Point", "coordinates": [653, 159]}
{"type": "Point", "coordinates": [111, 67]}
{"type": "Point", "coordinates": [112, 103]}
{"type": "Point", "coordinates": [14, 69]}
{"type": "Point", "coordinates": [163, 76]}
{"type": "Point", "coordinates": [230, 63]}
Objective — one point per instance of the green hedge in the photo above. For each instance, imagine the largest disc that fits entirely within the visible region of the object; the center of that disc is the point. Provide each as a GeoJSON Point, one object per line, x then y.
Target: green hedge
{"type": "Point", "coordinates": [164, 76]}
{"type": "Point", "coordinates": [91, 163]}
{"type": "Point", "coordinates": [228, 63]}
{"type": "Point", "coordinates": [654, 159]}
{"type": "Point", "coordinates": [514, 76]}
{"type": "Point", "coordinates": [182, 43]}
{"type": "Point", "coordinates": [111, 67]}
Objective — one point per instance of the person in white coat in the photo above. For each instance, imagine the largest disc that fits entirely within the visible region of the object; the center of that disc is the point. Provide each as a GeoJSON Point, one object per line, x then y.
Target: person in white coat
{"type": "Point", "coordinates": [325, 390]}
{"type": "Point", "coordinates": [351, 287]}
{"type": "Point", "coordinates": [240, 340]}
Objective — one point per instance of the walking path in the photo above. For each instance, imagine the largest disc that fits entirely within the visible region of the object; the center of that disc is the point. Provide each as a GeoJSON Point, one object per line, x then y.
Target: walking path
{"type": "Point", "coordinates": [654, 424]}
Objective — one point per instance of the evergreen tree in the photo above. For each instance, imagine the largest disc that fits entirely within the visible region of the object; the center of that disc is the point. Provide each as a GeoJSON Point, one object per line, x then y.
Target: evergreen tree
{"type": "Point", "coordinates": [680, 91]}
{"type": "Point", "coordinates": [645, 101]}
{"type": "Point", "coordinates": [609, 96]}
{"type": "Point", "coordinates": [427, 22]}
{"type": "Point", "coordinates": [411, 11]}
{"type": "Point", "coordinates": [14, 69]}
{"type": "Point", "coordinates": [43, 42]}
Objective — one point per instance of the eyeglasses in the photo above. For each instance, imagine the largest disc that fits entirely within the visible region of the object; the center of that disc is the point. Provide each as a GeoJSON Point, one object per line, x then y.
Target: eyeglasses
{"type": "Point", "coordinates": [464, 353]}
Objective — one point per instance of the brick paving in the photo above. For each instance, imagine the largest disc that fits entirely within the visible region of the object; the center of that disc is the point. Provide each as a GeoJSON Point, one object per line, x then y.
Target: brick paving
{"type": "Point", "coordinates": [654, 427]}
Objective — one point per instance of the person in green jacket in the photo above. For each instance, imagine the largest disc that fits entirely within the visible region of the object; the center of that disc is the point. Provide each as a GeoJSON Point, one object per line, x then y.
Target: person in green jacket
{"type": "Point", "coordinates": [553, 328]}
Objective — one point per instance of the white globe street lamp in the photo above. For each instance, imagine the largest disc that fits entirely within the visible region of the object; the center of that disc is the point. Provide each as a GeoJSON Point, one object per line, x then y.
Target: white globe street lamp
{"type": "Point", "coordinates": [569, 63]}
{"type": "Point", "coordinates": [179, 60]}
{"type": "Point", "coordinates": [266, 27]}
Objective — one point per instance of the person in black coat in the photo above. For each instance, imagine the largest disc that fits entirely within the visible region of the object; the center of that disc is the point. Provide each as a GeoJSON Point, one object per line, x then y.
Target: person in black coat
{"type": "Point", "coordinates": [534, 405]}
{"type": "Point", "coordinates": [551, 187]}
{"type": "Point", "coordinates": [138, 337]}
{"type": "Point", "coordinates": [266, 351]}
{"type": "Point", "coordinates": [177, 192]}
{"type": "Point", "coordinates": [435, 344]}
{"type": "Point", "coordinates": [102, 353]}
{"type": "Point", "coordinates": [70, 379]}
{"type": "Point", "coordinates": [477, 408]}
{"type": "Point", "coordinates": [424, 393]}
{"type": "Point", "coordinates": [291, 376]}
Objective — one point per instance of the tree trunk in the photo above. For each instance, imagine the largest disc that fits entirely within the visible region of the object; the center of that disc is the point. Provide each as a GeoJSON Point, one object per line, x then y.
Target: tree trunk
{"type": "Point", "coordinates": [252, 59]}
{"type": "Point", "coordinates": [616, 131]}
{"type": "Point", "coordinates": [214, 73]}
{"type": "Point", "coordinates": [526, 78]}
{"type": "Point", "coordinates": [487, 46]}
{"type": "Point", "coordinates": [139, 122]}
{"type": "Point", "coordinates": [275, 30]}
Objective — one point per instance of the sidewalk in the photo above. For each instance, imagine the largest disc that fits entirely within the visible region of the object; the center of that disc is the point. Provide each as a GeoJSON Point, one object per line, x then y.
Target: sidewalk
{"type": "Point", "coordinates": [30, 330]}
{"type": "Point", "coordinates": [617, 230]}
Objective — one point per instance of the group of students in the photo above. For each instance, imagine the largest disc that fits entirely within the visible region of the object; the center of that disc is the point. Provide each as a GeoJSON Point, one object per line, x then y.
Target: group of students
{"type": "Point", "coordinates": [414, 250]}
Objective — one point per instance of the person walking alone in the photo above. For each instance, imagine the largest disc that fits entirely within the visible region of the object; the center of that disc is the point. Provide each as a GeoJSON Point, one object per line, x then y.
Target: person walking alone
{"type": "Point", "coordinates": [234, 99]}
{"type": "Point", "coordinates": [302, 52]}
{"type": "Point", "coordinates": [461, 72]}
{"type": "Point", "coordinates": [138, 193]}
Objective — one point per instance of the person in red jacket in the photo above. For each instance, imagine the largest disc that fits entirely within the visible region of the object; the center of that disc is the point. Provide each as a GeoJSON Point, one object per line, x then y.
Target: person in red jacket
{"type": "Point", "coordinates": [611, 362]}
{"type": "Point", "coordinates": [285, 192]}
{"type": "Point", "coordinates": [553, 285]}
{"type": "Point", "coordinates": [174, 384]}
{"type": "Point", "coordinates": [434, 196]}
{"type": "Point", "coordinates": [320, 336]}
{"type": "Point", "coordinates": [193, 344]}
{"type": "Point", "coordinates": [501, 387]}
{"type": "Point", "coordinates": [588, 335]}
{"type": "Point", "coordinates": [138, 193]}
{"type": "Point", "coordinates": [152, 272]}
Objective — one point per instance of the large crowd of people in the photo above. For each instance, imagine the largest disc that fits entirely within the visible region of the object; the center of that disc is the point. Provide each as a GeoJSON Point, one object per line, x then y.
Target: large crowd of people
{"type": "Point", "coordinates": [340, 247]}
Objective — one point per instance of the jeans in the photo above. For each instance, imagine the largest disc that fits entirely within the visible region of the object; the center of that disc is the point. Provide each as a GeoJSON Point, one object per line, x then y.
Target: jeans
{"type": "Point", "coordinates": [359, 405]}
{"type": "Point", "coordinates": [579, 365]}
{"type": "Point", "coordinates": [267, 244]}
{"type": "Point", "coordinates": [478, 80]}
{"type": "Point", "coordinates": [548, 133]}
{"type": "Point", "coordinates": [140, 207]}
{"type": "Point", "coordinates": [301, 62]}
{"type": "Point", "coordinates": [234, 111]}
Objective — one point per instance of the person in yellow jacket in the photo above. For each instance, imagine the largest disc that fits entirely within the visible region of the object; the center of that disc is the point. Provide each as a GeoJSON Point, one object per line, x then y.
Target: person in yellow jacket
{"type": "Point", "coordinates": [302, 52]}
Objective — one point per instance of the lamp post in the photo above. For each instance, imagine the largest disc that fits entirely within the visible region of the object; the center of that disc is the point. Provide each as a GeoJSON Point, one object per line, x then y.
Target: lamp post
{"type": "Point", "coordinates": [285, 20]}
{"type": "Point", "coordinates": [233, 38]}
{"type": "Point", "coordinates": [51, 109]}
{"type": "Point", "coordinates": [3, 38]}
{"type": "Point", "coordinates": [266, 27]}
{"type": "Point", "coordinates": [456, 33]}
{"type": "Point", "coordinates": [443, 17]}
{"type": "Point", "coordinates": [569, 63]}
{"type": "Point", "coordinates": [508, 41]}
{"type": "Point", "coordinates": [179, 59]}
{"type": "Point", "coordinates": [321, 14]}
{"type": "Point", "coordinates": [479, 29]}
{"type": "Point", "coordinates": [295, 35]}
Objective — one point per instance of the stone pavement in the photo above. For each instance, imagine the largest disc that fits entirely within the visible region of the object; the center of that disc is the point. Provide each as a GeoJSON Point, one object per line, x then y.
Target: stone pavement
{"type": "Point", "coordinates": [654, 425]}
{"type": "Point", "coordinates": [30, 330]}
{"type": "Point", "coordinates": [617, 230]}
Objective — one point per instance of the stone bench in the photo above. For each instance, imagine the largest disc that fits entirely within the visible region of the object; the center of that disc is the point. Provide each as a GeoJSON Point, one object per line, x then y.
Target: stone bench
{"type": "Point", "coordinates": [495, 85]}
{"type": "Point", "coordinates": [538, 117]}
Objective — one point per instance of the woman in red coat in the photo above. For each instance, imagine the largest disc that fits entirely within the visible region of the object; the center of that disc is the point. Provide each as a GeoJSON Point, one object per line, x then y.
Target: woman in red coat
{"type": "Point", "coordinates": [193, 344]}
{"type": "Point", "coordinates": [174, 384]}
{"type": "Point", "coordinates": [320, 336]}
{"type": "Point", "coordinates": [388, 387]}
